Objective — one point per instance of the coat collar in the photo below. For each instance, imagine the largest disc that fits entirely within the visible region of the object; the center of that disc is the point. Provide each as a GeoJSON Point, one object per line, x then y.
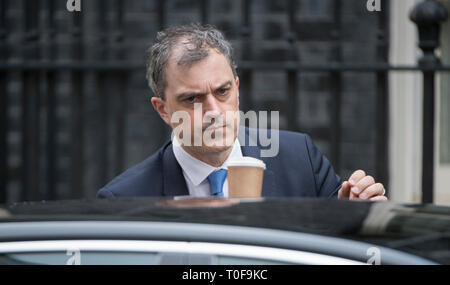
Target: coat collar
{"type": "Point", "coordinates": [174, 183]}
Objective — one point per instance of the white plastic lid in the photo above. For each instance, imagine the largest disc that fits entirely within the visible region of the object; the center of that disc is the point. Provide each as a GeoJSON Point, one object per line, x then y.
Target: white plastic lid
{"type": "Point", "coordinates": [246, 161]}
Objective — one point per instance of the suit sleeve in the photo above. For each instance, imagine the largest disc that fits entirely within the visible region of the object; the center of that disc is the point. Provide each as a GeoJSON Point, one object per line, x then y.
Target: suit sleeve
{"type": "Point", "coordinates": [105, 194]}
{"type": "Point", "coordinates": [327, 181]}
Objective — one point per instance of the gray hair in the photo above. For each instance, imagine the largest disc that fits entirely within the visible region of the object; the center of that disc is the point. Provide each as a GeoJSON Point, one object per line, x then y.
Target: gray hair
{"type": "Point", "coordinates": [197, 40]}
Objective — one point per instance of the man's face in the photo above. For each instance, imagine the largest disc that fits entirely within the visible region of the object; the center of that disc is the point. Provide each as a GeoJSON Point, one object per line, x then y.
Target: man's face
{"type": "Point", "coordinates": [211, 85]}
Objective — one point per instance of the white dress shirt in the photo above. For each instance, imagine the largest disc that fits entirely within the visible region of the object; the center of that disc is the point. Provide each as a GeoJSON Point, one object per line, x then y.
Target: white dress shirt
{"type": "Point", "coordinates": [196, 172]}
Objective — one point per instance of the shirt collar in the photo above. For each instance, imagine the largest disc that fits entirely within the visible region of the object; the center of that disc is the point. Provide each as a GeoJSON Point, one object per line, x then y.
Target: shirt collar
{"type": "Point", "coordinates": [196, 170]}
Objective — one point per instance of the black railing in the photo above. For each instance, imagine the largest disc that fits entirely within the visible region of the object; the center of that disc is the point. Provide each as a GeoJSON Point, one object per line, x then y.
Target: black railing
{"type": "Point", "coordinates": [428, 16]}
{"type": "Point", "coordinates": [111, 69]}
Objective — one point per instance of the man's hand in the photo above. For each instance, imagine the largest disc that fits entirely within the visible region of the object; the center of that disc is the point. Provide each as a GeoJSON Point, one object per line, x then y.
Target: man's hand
{"type": "Point", "coordinates": [361, 187]}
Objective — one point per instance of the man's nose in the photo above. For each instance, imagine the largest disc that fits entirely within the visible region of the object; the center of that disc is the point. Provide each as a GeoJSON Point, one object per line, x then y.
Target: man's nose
{"type": "Point", "coordinates": [210, 104]}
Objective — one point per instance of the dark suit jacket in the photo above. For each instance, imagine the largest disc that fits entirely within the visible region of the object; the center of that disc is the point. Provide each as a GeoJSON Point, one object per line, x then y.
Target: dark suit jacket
{"type": "Point", "coordinates": [299, 169]}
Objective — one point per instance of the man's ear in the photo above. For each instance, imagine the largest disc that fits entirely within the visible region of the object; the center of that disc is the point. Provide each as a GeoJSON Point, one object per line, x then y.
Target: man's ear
{"type": "Point", "coordinates": [160, 106]}
{"type": "Point", "coordinates": [237, 87]}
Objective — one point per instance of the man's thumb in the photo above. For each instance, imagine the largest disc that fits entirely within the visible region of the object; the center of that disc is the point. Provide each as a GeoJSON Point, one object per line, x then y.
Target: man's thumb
{"type": "Point", "coordinates": [344, 193]}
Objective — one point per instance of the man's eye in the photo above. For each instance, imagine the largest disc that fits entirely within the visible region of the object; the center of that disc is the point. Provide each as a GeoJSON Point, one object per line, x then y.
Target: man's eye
{"type": "Point", "coordinates": [223, 91]}
{"type": "Point", "coordinates": [190, 99]}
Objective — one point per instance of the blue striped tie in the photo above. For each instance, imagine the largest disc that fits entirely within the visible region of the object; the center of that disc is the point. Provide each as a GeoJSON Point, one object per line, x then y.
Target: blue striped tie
{"type": "Point", "coordinates": [216, 180]}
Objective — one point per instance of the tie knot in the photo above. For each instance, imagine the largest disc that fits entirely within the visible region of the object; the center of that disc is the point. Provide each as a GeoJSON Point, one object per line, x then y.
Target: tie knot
{"type": "Point", "coordinates": [216, 180]}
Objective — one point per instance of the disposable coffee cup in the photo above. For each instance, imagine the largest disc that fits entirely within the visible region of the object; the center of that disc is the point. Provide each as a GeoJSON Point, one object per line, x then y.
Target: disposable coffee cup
{"type": "Point", "coordinates": [245, 177]}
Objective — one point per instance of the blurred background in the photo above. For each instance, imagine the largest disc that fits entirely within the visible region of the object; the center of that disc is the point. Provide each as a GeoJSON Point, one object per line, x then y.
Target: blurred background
{"type": "Point", "coordinates": [75, 108]}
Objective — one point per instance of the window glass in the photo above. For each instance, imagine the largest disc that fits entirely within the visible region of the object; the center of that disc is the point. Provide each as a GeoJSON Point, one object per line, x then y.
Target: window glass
{"type": "Point", "coordinates": [84, 258]}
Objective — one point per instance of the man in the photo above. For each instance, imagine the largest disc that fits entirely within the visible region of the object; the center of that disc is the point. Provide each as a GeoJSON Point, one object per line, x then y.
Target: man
{"type": "Point", "coordinates": [191, 67]}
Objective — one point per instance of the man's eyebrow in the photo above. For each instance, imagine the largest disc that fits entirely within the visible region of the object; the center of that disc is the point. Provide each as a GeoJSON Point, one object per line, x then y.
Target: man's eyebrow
{"type": "Point", "coordinates": [224, 85]}
{"type": "Point", "coordinates": [188, 94]}
{"type": "Point", "coordinates": [184, 95]}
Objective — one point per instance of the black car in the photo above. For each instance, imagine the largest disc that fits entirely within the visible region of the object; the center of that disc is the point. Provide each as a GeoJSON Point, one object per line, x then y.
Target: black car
{"type": "Point", "coordinates": [223, 231]}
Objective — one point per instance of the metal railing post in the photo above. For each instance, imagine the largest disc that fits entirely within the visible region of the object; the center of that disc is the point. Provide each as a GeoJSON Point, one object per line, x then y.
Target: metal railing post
{"type": "Point", "coordinates": [4, 122]}
{"type": "Point", "coordinates": [427, 15]}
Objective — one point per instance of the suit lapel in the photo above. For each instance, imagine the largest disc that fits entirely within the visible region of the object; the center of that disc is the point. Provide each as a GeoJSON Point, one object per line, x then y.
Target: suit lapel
{"type": "Point", "coordinates": [251, 148]}
{"type": "Point", "coordinates": [173, 179]}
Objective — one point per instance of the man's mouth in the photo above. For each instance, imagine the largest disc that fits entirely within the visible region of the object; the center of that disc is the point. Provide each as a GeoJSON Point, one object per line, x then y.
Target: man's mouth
{"type": "Point", "coordinates": [214, 127]}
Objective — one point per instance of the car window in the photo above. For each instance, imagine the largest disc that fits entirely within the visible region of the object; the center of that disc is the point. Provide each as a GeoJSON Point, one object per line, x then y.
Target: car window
{"type": "Point", "coordinates": [140, 252]}
{"type": "Point", "coordinates": [86, 258]}
{"type": "Point", "coordinates": [124, 258]}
